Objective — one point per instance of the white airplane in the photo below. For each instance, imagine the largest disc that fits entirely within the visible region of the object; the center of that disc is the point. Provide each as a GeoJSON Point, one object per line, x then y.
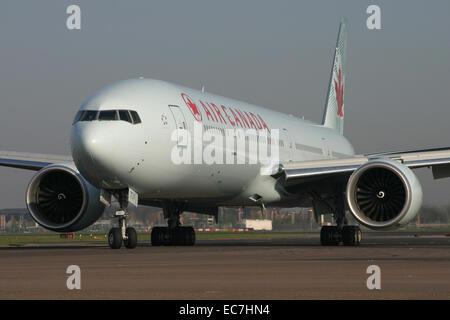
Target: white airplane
{"type": "Point", "coordinates": [123, 146]}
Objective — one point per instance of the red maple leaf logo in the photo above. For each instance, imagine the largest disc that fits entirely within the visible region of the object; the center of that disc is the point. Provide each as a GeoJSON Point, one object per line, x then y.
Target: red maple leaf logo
{"type": "Point", "coordinates": [339, 88]}
{"type": "Point", "coordinates": [192, 106]}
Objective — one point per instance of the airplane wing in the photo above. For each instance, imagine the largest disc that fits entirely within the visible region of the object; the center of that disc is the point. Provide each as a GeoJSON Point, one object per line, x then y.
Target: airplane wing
{"type": "Point", "coordinates": [436, 158]}
{"type": "Point", "coordinates": [30, 161]}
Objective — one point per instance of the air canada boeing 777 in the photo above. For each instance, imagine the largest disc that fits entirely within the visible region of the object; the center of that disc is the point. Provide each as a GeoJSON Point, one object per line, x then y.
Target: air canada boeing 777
{"type": "Point", "coordinates": [150, 142]}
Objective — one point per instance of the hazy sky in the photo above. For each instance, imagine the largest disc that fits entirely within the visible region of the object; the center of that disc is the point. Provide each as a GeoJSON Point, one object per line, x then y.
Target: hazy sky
{"type": "Point", "coordinates": [276, 54]}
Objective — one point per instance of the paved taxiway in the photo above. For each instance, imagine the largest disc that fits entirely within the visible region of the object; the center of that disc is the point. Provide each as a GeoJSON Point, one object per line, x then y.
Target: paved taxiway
{"type": "Point", "coordinates": [412, 267]}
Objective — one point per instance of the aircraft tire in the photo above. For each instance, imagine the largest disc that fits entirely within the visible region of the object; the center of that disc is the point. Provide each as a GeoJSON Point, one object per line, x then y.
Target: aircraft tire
{"type": "Point", "coordinates": [115, 238]}
{"type": "Point", "coordinates": [131, 241]}
{"type": "Point", "coordinates": [329, 236]}
{"type": "Point", "coordinates": [351, 235]}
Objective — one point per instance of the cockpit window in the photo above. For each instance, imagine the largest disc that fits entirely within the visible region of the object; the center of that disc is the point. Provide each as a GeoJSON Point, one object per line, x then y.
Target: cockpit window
{"type": "Point", "coordinates": [125, 116]}
{"type": "Point", "coordinates": [135, 117]}
{"type": "Point", "coordinates": [77, 117]}
{"type": "Point", "coordinates": [89, 115]}
{"type": "Point", "coordinates": [108, 115]}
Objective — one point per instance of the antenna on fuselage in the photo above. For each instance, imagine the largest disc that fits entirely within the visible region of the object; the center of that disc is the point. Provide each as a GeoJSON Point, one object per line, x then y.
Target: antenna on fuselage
{"type": "Point", "coordinates": [203, 88]}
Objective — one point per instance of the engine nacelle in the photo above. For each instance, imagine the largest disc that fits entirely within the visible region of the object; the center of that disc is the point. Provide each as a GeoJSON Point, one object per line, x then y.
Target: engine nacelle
{"type": "Point", "coordinates": [60, 199]}
{"type": "Point", "coordinates": [384, 194]}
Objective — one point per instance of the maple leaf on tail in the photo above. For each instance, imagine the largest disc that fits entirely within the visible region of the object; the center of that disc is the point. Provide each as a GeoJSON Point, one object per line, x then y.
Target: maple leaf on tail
{"type": "Point", "coordinates": [339, 94]}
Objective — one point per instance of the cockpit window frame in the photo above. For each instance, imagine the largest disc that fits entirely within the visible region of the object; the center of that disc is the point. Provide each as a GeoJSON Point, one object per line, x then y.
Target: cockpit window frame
{"type": "Point", "coordinates": [131, 117]}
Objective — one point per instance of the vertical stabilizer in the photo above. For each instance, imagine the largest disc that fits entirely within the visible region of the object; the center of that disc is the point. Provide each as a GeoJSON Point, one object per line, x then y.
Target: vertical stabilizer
{"type": "Point", "coordinates": [333, 115]}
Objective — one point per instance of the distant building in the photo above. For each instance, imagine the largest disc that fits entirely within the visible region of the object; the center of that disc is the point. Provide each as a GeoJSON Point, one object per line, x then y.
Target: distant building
{"type": "Point", "coordinates": [258, 224]}
{"type": "Point", "coordinates": [2, 221]}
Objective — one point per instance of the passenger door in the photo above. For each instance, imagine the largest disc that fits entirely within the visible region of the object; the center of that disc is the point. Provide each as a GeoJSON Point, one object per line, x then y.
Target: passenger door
{"type": "Point", "coordinates": [180, 124]}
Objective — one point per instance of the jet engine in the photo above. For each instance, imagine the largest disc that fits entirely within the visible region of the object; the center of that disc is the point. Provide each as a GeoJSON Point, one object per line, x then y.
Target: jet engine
{"type": "Point", "coordinates": [384, 194]}
{"type": "Point", "coordinates": [60, 199]}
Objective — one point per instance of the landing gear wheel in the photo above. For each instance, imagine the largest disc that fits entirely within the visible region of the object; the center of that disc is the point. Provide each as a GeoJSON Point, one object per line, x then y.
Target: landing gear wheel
{"type": "Point", "coordinates": [131, 241]}
{"type": "Point", "coordinates": [178, 236]}
{"type": "Point", "coordinates": [190, 236]}
{"type": "Point", "coordinates": [115, 238]}
{"type": "Point", "coordinates": [175, 237]}
{"type": "Point", "coordinates": [330, 236]}
{"type": "Point", "coordinates": [183, 236]}
{"type": "Point", "coordinates": [351, 235]}
{"type": "Point", "coordinates": [158, 236]}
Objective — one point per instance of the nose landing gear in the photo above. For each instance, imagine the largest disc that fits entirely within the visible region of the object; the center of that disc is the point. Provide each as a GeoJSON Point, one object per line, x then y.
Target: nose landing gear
{"type": "Point", "coordinates": [117, 236]}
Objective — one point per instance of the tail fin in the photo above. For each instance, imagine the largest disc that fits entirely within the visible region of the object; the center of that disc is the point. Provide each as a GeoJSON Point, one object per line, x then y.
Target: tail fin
{"type": "Point", "coordinates": [333, 115]}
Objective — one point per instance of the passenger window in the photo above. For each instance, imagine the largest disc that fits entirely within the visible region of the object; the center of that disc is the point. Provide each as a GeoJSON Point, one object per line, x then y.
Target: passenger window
{"type": "Point", "coordinates": [108, 115]}
{"type": "Point", "coordinates": [135, 117]}
{"type": "Point", "coordinates": [125, 116]}
{"type": "Point", "coordinates": [89, 115]}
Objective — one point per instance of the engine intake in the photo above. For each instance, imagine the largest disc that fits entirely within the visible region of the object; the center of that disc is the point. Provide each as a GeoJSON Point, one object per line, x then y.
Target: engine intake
{"type": "Point", "coordinates": [384, 194]}
{"type": "Point", "coordinates": [60, 199]}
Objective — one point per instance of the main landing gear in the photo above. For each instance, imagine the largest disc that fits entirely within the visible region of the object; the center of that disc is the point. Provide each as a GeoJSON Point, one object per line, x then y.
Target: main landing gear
{"type": "Point", "coordinates": [342, 232]}
{"type": "Point", "coordinates": [174, 234]}
{"type": "Point", "coordinates": [333, 235]}
{"type": "Point", "coordinates": [179, 236]}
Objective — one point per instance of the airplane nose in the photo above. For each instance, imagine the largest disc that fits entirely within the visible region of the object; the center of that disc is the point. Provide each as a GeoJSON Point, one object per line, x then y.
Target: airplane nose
{"type": "Point", "coordinates": [86, 141]}
{"type": "Point", "coordinates": [90, 151]}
